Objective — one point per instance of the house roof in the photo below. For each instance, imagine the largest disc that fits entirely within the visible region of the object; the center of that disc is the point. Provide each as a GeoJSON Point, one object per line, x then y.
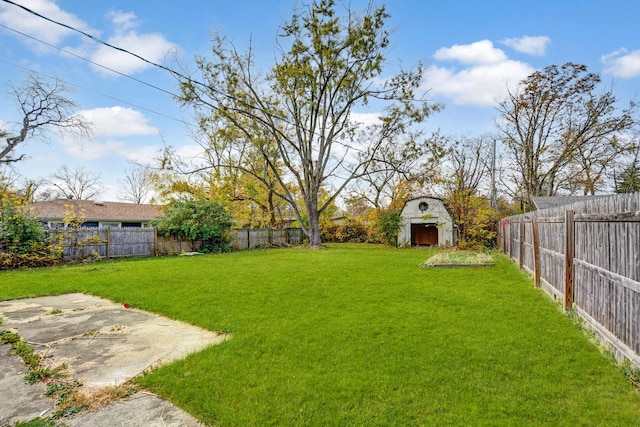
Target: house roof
{"type": "Point", "coordinates": [544, 202]}
{"type": "Point", "coordinates": [95, 211]}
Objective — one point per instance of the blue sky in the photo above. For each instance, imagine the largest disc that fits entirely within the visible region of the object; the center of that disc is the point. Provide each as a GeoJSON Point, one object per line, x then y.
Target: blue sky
{"type": "Point", "coordinates": [472, 51]}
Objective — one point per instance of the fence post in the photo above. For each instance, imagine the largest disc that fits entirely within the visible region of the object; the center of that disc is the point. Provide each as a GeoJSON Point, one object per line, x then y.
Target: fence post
{"type": "Point", "coordinates": [507, 240]}
{"type": "Point", "coordinates": [108, 242]}
{"type": "Point", "coordinates": [155, 241]}
{"type": "Point", "coordinates": [521, 249]}
{"type": "Point", "coordinates": [512, 240]}
{"type": "Point", "coordinates": [569, 231]}
{"type": "Point", "coordinates": [536, 251]}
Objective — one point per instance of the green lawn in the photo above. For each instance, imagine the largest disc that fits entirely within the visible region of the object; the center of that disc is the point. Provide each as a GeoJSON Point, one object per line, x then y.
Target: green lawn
{"type": "Point", "coordinates": [359, 335]}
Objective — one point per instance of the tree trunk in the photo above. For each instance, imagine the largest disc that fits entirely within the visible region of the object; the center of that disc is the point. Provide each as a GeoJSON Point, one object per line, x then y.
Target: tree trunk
{"type": "Point", "coordinates": [314, 222]}
{"type": "Point", "coordinates": [314, 230]}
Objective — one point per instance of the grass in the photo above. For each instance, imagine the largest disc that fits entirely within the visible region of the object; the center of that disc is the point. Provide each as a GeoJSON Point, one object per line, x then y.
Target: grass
{"type": "Point", "coordinates": [455, 258]}
{"type": "Point", "coordinates": [359, 335]}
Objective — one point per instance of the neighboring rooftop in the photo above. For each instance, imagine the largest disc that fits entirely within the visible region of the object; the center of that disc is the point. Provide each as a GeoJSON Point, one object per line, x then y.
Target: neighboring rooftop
{"type": "Point", "coordinates": [96, 210]}
{"type": "Point", "coordinates": [545, 202]}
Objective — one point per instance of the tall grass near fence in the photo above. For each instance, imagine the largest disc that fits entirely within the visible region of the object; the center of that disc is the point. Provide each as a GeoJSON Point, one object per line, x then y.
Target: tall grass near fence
{"type": "Point", "coordinates": [359, 335]}
{"type": "Point", "coordinates": [588, 255]}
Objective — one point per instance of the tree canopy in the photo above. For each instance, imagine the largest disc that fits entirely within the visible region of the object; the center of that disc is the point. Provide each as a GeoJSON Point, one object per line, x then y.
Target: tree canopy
{"type": "Point", "coordinates": [300, 118]}
{"type": "Point", "coordinates": [205, 220]}
{"type": "Point", "coordinates": [560, 132]}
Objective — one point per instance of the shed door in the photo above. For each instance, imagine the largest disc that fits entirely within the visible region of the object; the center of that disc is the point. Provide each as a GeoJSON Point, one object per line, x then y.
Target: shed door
{"type": "Point", "coordinates": [424, 234]}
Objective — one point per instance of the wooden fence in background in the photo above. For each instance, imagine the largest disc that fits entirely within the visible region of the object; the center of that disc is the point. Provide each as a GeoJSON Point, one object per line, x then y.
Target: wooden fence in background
{"type": "Point", "coordinates": [588, 255]}
{"type": "Point", "coordinates": [128, 242]}
{"type": "Point", "coordinates": [251, 238]}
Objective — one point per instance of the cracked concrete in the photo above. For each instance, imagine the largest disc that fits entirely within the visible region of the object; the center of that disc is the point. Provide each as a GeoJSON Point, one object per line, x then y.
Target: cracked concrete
{"type": "Point", "coordinates": [102, 343]}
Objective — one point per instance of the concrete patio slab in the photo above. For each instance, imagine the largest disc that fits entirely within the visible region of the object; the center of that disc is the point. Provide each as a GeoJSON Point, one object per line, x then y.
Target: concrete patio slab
{"type": "Point", "coordinates": [102, 343]}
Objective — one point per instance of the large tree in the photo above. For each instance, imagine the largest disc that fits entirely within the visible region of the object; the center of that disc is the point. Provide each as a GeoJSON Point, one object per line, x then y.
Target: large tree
{"type": "Point", "coordinates": [299, 119]}
{"type": "Point", "coordinates": [135, 186]}
{"type": "Point", "coordinates": [245, 180]}
{"type": "Point", "coordinates": [75, 183]}
{"type": "Point", "coordinates": [556, 126]}
{"type": "Point", "coordinates": [43, 106]}
{"type": "Point", "coordinates": [400, 171]}
{"type": "Point", "coordinates": [627, 177]}
{"type": "Point", "coordinates": [468, 163]}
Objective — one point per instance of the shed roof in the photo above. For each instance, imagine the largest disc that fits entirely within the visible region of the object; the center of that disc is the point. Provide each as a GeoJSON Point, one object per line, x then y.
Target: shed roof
{"type": "Point", "coordinates": [113, 211]}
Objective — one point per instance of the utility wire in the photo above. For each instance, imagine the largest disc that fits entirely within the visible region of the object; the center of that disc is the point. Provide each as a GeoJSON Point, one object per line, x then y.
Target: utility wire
{"type": "Point", "coordinates": [100, 93]}
{"type": "Point", "coordinates": [96, 39]}
{"type": "Point", "coordinates": [89, 61]}
{"type": "Point", "coordinates": [163, 67]}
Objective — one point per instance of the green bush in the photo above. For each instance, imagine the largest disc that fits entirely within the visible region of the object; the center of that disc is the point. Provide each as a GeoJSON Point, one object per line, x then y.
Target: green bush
{"type": "Point", "coordinates": [205, 220]}
{"type": "Point", "coordinates": [23, 243]}
{"type": "Point", "coordinates": [19, 232]}
{"type": "Point", "coordinates": [389, 223]}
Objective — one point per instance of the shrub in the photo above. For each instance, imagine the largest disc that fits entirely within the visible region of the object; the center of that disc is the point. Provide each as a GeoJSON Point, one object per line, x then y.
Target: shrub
{"type": "Point", "coordinates": [206, 220]}
{"type": "Point", "coordinates": [389, 223]}
{"type": "Point", "coordinates": [348, 232]}
{"type": "Point", "coordinates": [19, 232]}
{"type": "Point", "coordinates": [22, 242]}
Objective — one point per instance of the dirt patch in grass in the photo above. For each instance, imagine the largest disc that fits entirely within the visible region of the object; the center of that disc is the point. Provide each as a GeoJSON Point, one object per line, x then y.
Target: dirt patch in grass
{"type": "Point", "coordinates": [458, 259]}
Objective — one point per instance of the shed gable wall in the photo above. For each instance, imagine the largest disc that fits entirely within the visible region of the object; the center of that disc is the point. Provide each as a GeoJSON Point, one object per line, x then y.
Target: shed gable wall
{"type": "Point", "coordinates": [420, 226]}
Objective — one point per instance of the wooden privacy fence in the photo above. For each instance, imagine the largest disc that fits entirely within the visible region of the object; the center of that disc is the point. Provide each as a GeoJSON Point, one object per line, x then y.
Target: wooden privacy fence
{"type": "Point", "coordinates": [587, 254]}
{"type": "Point", "coordinates": [251, 238]}
{"type": "Point", "coordinates": [126, 242]}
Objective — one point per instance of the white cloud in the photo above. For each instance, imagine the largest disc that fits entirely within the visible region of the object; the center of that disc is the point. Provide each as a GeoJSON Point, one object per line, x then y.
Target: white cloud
{"type": "Point", "coordinates": [123, 20]}
{"type": "Point", "coordinates": [111, 127]}
{"type": "Point", "coordinates": [91, 150]}
{"type": "Point", "coordinates": [190, 152]}
{"type": "Point", "coordinates": [531, 45]}
{"type": "Point", "coordinates": [151, 46]}
{"type": "Point", "coordinates": [480, 52]}
{"type": "Point", "coordinates": [21, 20]}
{"type": "Point", "coordinates": [142, 154]}
{"type": "Point", "coordinates": [117, 122]}
{"type": "Point", "coordinates": [366, 119]}
{"type": "Point", "coordinates": [109, 149]}
{"type": "Point", "coordinates": [489, 74]}
{"type": "Point", "coordinates": [622, 63]}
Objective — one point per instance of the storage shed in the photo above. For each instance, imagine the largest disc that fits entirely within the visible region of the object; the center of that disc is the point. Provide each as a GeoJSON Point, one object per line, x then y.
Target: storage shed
{"type": "Point", "coordinates": [426, 222]}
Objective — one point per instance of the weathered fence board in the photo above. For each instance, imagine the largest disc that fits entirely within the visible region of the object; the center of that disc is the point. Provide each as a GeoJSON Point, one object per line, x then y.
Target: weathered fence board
{"type": "Point", "coordinates": [253, 238]}
{"type": "Point", "coordinates": [587, 254]}
{"type": "Point", "coordinates": [127, 242]}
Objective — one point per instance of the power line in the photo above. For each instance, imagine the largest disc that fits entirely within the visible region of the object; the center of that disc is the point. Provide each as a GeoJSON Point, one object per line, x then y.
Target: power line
{"type": "Point", "coordinates": [89, 61]}
{"type": "Point", "coordinates": [163, 67]}
{"type": "Point", "coordinates": [101, 94]}
{"type": "Point", "coordinates": [96, 39]}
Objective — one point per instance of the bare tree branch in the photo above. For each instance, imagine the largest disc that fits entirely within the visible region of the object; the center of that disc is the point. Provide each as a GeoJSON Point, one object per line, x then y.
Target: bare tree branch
{"type": "Point", "coordinates": [43, 107]}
